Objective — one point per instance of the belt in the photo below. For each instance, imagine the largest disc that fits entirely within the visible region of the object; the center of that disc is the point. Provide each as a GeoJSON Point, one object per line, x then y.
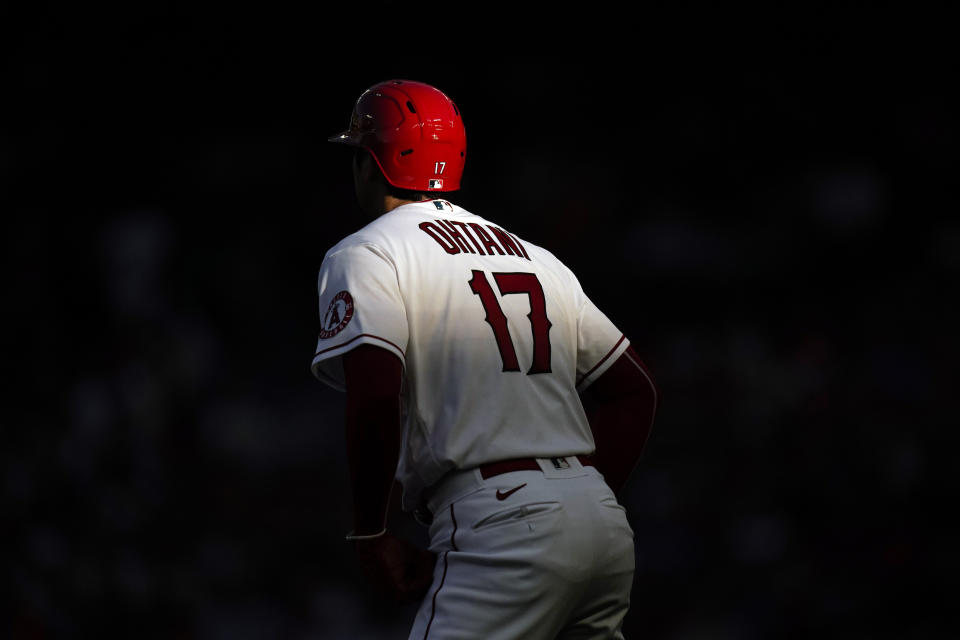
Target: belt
{"type": "Point", "coordinates": [527, 464]}
{"type": "Point", "coordinates": [465, 481]}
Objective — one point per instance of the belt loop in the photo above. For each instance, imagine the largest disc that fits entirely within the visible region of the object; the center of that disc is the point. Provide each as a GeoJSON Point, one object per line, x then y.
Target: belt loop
{"type": "Point", "coordinates": [451, 487]}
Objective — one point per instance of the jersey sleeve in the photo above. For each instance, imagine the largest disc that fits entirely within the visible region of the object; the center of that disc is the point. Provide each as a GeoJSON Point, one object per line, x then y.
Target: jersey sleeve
{"type": "Point", "coordinates": [599, 342]}
{"type": "Point", "coordinates": [360, 303]}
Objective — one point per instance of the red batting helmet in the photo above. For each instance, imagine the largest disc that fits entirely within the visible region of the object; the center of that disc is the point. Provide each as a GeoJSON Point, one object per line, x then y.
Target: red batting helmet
{"type": "Point", "coordinates": [413, 131]}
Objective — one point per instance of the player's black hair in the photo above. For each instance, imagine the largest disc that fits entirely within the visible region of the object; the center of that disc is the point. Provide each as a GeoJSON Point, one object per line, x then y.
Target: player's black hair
{"type": "Point", "coordinates": [407, 194]}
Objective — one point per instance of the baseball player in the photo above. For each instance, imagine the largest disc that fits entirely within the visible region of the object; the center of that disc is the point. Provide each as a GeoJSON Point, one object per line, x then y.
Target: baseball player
{"type": "Point", "coordinates": [479, 376]}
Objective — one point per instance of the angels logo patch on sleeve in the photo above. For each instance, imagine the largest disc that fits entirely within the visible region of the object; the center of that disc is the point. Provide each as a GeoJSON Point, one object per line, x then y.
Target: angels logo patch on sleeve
{"type": "Point", "coordinates": [338, 315]}
{"type": "Point", "coordinates": [359, 302]}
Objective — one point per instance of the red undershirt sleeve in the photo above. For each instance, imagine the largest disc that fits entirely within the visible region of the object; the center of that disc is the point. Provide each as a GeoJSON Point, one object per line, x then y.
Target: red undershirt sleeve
{"type": "Point", "coordinates": [620, 407]}
{"type": "Point", "coordinates": [373, 378]}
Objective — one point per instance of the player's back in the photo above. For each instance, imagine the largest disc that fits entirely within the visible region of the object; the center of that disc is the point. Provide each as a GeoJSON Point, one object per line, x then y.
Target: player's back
{"type": "Point", "coordinates": [497, 336]}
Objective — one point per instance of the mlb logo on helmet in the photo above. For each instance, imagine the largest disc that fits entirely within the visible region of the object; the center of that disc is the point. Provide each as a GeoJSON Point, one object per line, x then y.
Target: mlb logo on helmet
{"type": "Point", "coordinates": [436, 183]}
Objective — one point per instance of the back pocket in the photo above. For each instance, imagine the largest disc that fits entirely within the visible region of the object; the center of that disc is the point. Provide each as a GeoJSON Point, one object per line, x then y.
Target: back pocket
{"type": "Point", "coordinates": [517, 514]}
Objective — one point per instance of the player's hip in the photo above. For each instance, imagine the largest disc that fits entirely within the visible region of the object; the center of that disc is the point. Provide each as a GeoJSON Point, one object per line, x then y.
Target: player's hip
{"type": "Point", "coordinates": [568, 512]}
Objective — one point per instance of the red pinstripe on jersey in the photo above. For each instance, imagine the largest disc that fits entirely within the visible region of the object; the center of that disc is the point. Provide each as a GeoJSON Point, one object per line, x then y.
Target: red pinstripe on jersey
{"type": "Point", "coordinates": [362, 335]}
{"type": "Point", "coordinates": [603, 359]}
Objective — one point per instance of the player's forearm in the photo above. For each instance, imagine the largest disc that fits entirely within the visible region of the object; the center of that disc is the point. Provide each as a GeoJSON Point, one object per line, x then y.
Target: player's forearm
{"type": "Point", "coordinates": [373, 379]}
{"type": "Point", "coordinates": [373, 446]}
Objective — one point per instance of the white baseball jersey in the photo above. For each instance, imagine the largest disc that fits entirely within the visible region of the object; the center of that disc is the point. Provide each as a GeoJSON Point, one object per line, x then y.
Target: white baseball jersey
{"type": "Point", "coordinates": [495, 334]}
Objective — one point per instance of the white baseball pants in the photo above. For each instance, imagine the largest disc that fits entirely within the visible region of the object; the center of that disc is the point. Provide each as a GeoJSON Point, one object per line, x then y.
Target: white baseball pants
{"type": "Point", "coordinates": [527, 555]}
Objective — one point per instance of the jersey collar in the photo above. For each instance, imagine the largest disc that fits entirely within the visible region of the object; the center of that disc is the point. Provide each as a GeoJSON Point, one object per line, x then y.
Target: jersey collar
{"type": "Point", "coordinates": [437, 206]}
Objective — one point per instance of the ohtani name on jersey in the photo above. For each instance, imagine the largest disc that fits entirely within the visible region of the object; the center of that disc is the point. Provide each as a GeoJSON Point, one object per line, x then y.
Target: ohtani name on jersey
{"type": "Point", "coordinates": [470, 237]}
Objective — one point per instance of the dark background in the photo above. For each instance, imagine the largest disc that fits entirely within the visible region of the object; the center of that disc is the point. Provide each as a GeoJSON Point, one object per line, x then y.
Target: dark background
{"type": "Point", "coordinates": [767, 212]}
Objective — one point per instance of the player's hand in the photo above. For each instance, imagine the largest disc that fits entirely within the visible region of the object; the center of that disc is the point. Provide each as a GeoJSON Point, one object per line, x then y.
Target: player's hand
{"type": "Point", "coordinates": [401, 570]}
